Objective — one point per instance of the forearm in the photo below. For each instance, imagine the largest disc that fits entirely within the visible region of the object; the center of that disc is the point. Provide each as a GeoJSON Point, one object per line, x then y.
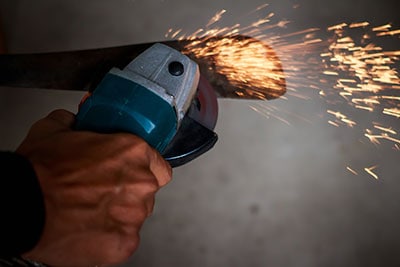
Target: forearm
{"type": "Point", "coordinates": [21, 206]}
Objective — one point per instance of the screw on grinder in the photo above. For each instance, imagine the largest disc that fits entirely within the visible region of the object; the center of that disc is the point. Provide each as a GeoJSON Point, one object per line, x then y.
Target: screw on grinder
{"type": "Point", "coordinates": [160, 97]}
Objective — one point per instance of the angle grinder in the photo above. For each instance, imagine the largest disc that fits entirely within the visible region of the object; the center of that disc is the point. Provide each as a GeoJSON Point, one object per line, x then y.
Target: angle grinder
{"type": "Point", "coordinates": [159, 96]}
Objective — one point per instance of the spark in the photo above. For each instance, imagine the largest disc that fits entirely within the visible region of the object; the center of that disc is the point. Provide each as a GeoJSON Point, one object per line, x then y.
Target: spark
{"type": "Point", "coordinates": [337, 27]}
{"type": "Point", "coordinates": [351, 170]}
{"type": "Point", "coordinates": [370, 172]}
{"type": "Point", "coordinates": [364, 108]}
{"type": "Point", "coordinates": [332, 73]}
{"type": "Point", "coordinates": [389, 33]}
{"type": "Point", "coordinates": [359, 24]}
{"type": "Point", "coordinates": [343, 118]}
{"type": "Point", "coordinates": [333, 123]}
{"type": "Point", "coordinates": [389, 130]}
{"type": "Point", "coordinates": [374, 138]}
{"type": "Point", "coordinates": [329, 54]}
{"type": "Point", "coordinates": [395, 112]}
{"type": "Point", "coordinates": [389, 97]}
{"type": "Point", "coordinates": [168, 32]}
{"type": "Point", "coordinates": [173, 35]}
{"type": "Point", "coordinates": [314, 41]}
{"type": "Point", "coordinates": [367, 101]}
{"type": "Point", "coordinates": [216, 18]}
{"type": "Point", "coordinates": [382, 28]}
{"type": "Point", "coordinates": [347, 81]}
{"type": "Point", "coordinates": [262, 7]}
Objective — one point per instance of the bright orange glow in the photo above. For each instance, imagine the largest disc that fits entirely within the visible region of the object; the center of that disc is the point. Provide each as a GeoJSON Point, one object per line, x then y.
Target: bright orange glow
{"type": "Point", "coordinates": [247, 64]}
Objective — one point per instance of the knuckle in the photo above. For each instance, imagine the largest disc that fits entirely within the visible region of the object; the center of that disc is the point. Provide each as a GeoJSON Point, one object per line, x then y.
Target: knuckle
{"type": "Point", "coordinates": [130, 211]}
{"type": "Point", "coordinates": [134, 146]}
{"type": "Point", "coordinates": [123, 247]}
{"type": "Point", "coordinates": [118, 142]}
{"type": "Point", "coordinates": [151, 186]}
{"type": "Point", "coordinates": [142, 212]}
{"type": "Point", "coordinates": [131, 140]}
{"type": "Point", "coordinates": [141, 183]}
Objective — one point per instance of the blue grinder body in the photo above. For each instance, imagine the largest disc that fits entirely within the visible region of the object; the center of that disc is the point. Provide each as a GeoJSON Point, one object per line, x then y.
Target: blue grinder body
{"type": "Point", "coordinates": [122, 105]}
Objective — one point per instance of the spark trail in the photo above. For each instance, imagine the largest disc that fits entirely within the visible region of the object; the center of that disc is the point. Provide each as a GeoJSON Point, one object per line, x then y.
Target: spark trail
{"type": "Point", "coordinates": [351, 73]}
{"type": "Point", "coordinates": [366, 80]}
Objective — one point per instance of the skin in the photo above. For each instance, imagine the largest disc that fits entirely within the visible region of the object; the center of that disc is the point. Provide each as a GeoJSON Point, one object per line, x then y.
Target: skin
{"type": "Point", "coordinates": [98, 190]}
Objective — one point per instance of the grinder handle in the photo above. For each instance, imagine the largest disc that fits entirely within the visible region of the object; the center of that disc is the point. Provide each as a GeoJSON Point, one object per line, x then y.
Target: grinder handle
{"type": "Point", "coordinates": [121, 105]}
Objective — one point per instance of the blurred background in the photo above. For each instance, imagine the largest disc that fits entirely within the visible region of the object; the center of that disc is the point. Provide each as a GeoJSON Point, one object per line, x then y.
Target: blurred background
{"type": "Point", "coordinates": [270, 193]}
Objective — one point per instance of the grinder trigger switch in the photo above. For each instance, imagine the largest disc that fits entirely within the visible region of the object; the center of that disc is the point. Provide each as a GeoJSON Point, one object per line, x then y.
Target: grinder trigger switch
{"type": "Point", "coordinates": [160, 97]}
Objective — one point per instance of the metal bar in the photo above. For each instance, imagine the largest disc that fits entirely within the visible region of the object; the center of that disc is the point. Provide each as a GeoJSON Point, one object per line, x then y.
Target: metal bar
{"type": "Point", "coordinates": [83, 70]}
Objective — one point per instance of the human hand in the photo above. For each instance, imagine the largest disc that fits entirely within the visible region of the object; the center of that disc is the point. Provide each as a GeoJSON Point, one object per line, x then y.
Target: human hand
{"type": "Point", "coordinates": [98, 190]}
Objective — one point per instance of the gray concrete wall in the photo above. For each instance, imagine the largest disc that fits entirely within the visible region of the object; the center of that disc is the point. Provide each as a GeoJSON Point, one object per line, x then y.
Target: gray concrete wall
{"type": "Point", "coordinates": [268, 194]}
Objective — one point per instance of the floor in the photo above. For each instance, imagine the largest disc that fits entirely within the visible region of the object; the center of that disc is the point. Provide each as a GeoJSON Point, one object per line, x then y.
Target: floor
{"type": "Point", "coordinates": [275, 190]}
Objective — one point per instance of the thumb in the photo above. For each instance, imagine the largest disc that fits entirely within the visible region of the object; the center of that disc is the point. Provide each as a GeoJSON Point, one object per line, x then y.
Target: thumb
{"type": "Point", "coordinates": [57, 121]}
{"type": "Point", "coordinates": [63, 117]}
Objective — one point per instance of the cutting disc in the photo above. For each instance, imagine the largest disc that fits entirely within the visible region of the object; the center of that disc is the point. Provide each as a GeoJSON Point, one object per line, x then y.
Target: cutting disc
{"type": "Point", "coordinates": [195, 135]}
{"type": "Point", "coordinates": [204, 108]}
